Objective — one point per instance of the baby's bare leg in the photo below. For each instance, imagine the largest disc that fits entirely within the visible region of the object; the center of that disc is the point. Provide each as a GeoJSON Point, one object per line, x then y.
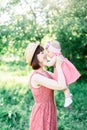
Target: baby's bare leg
{"type": "Point", "coordinates": [68, 97]}
{"type": "Point", "coordinates": [67, 92]}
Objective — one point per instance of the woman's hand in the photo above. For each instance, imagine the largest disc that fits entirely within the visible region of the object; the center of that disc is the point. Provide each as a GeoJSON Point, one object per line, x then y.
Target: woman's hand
{"type": "Point", "coordinates": [61, 78]}
{"type": "Point", "coordinates": [59, 61]}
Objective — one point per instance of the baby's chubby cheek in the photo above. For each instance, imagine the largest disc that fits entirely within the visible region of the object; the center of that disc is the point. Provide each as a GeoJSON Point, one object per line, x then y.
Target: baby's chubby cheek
{"type": "Point", "coordinates": [45, 56]}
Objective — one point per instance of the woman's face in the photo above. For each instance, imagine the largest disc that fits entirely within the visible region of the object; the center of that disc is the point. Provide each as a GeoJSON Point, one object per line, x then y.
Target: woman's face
{"type": "Point", "coordinates": [42, 56]}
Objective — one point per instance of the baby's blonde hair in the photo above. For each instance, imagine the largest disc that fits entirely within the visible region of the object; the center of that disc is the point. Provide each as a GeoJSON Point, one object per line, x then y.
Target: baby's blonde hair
{"type": "Point", "coordinates": [55, 44]}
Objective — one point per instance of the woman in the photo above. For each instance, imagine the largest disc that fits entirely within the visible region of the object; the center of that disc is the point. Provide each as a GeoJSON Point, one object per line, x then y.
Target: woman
{"type": "Point", "coordinates": [42, 84]}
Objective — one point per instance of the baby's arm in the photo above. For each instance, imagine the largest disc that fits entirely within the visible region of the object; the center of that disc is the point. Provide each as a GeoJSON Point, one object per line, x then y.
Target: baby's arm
{"type": "Point", "coordinates": [51, 62]}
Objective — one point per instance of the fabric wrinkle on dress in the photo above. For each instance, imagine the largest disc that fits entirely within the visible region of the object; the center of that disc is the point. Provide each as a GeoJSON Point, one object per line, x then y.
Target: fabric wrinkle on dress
{"type": "Point", "coordinates": [43, 116]}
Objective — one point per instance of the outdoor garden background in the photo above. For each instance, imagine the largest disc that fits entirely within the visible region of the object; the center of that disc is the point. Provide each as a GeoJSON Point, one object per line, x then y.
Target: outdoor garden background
{"type": "Point", "coordinates": [25, 21]}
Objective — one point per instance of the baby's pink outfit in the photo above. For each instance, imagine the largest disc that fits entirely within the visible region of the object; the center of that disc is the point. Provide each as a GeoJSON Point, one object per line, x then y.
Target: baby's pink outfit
{"type": "Point", "coordinates": [70, 72]}
{"type": "Point", "coordinates": [43, 116]}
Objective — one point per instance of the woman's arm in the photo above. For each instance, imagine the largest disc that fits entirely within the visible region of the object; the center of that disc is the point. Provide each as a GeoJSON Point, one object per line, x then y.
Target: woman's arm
{"type": "Point", "coordinates": [61, 77]}
{"type": "Point", "coordinates": [40, 80]}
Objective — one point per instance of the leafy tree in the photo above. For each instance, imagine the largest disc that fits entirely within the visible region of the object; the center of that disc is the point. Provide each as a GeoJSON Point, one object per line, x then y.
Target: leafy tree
{"type": "Point", "coordinates": [34, 20]}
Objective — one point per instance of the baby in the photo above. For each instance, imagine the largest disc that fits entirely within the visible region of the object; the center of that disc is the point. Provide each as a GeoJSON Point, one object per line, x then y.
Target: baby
{"type": "Point", "coordinates": [70, 72]}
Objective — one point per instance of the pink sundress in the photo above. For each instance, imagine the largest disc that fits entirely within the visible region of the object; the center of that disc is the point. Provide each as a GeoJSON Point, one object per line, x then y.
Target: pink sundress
{"type": "Point", "coordinates": [43, 116]}
{"type": "Point", "coordinates": [70, 72]}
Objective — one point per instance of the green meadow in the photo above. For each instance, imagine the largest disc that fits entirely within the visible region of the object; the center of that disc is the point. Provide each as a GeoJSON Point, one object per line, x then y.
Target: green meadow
{"type": "Point", "coordinates": [16, 101]}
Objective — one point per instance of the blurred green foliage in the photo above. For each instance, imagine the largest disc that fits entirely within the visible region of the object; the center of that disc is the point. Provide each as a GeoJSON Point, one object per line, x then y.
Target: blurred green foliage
{"type": "Point", "coordinates": [65, 20]}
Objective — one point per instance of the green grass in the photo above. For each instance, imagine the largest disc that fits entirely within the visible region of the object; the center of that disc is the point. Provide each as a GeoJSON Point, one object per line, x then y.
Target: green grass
{"type": "Point", "coordinates": [16, 101]}
{"type": "Point", "coordinates": [74, 117]}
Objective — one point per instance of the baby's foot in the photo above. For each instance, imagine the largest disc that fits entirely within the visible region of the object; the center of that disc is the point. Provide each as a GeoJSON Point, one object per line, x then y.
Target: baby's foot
{"type": "Point", "coordinates": [68, 101]}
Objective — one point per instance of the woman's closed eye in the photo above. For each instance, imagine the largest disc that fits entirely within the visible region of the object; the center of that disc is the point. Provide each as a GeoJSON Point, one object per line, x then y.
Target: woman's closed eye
{"type": "Point", "coordinates": [42, 52]}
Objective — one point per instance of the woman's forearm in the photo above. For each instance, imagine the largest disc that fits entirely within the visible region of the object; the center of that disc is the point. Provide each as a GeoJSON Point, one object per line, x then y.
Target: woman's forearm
{"type": "Point", "coordinates": [60, 77]}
